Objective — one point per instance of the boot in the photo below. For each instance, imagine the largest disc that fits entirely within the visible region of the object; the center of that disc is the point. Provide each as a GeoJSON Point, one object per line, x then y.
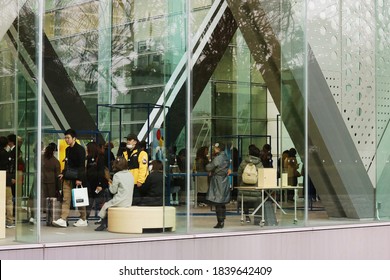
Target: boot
{"type": "Point", "coordinates": [219, 225]}
{"type": "Point", "coordinates": [220, 216]}
{"type": "Point", "coordinates": [103, 225]}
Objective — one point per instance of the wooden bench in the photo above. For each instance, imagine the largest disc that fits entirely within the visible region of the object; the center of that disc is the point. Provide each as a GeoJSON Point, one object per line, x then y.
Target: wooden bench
{"type": "Point", "coordinates": [136, 219]}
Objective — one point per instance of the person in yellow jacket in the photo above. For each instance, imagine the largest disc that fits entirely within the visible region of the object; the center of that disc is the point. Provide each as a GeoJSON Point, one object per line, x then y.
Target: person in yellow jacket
{"type": "Point", "coordinates": [137, 161]}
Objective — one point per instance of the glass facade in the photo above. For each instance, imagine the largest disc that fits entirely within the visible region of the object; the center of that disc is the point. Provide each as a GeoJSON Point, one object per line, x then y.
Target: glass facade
{"type": "Point", "coordinates": [306, 76]}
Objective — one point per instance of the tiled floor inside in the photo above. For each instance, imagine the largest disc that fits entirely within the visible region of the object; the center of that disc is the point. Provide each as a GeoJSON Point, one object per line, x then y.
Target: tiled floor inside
{"type": "Point", "coordinates": [202, 220]}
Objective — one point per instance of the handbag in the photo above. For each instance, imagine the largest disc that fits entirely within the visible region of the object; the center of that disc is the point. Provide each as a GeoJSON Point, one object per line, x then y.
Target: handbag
{"type": "Point", "coordinates": [71, 173]}
{"type": "Point", "coordinates": [107, 195]}
{"type": "Point", "coordinates": [80, 196]}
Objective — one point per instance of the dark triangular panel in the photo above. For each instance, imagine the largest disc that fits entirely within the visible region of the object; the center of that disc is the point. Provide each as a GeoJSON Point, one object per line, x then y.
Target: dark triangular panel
{"type": "Point", "coordinates": [64, 104]}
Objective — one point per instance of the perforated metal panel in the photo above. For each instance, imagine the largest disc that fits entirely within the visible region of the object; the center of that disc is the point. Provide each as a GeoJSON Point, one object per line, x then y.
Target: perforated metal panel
{"type": "Point", "coordinates": [342, 35]}
{"type": "Point", "coordinates": [382, 82]}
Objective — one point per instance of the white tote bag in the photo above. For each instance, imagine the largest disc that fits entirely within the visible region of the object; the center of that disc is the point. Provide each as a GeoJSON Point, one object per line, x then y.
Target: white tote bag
{"type": "Point", "coordinates": [80, 196]}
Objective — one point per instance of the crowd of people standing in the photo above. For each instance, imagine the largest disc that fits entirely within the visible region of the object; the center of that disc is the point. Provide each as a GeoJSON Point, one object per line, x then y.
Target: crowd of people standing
{"type": "Point", "coordinates": [129, 178]}
{"type": "Point", "coordinates": [123, 180]}
{"type": "Point", "coordinates": [128, 183]}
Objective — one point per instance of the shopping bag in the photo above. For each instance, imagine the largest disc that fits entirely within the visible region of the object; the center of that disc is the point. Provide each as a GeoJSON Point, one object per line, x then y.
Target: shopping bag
{"type": "Point", "coordinates": [80, 196]}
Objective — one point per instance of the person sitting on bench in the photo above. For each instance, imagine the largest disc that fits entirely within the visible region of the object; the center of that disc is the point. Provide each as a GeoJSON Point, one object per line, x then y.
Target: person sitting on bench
{"type": "Point", "coordinates": [122, 187]}
{"type": "Point", "coordinates": [152, 190]}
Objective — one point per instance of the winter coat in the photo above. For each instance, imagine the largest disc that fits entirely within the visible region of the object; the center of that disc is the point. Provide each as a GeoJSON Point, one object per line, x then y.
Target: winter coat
{"type": "Point", "coordinates": [219, 190]}
{"type": "Point", "coordinates": [248, 195]}
{"type": "Point", "coordinates": [292, 170]}
{"type": "Point", "coordinates": [152, 190]}
{"type": "Point", "coordinates": [50, 170]}
{"type": "Point", "coordinates": [95, 174]}
{"type": "Point", "coordinates": [248, 159]}
{"type": "Point", "coordinates": [4, 165]}
{"type": "Point", "coordinates": [75, 158]}
{"type": "Point", "coordinates": [122, 188]}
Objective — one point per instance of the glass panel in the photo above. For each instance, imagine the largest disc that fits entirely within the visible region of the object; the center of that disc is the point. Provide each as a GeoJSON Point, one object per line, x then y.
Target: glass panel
{"type": "Point", "coordinates": [293, 91]}
{"type": "Point", "coordinates": [114, 56]}
{"type": "Point", "coordinates": [176, 98]}
{"type": "Point", "coordinates": [26, 80]}
{"type": "Point", "coordinates": [8, 110]}
{"type": "Point", "coordinates": [382, 111]}
{"type": "Point", "coordinates": [340, 76]}
{"type": "Point", "coordinates": [232, 109]}
{"type": "Point", "coordinates": [261, 74]}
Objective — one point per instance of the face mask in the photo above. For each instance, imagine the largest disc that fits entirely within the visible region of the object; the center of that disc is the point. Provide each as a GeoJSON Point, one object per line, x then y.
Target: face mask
{"type": "Point", "coordinates": [8, 148]}
{"type": "Point", "coordinates": [150, 168]}
{"type": "Point", "coordinates": [129, 146]}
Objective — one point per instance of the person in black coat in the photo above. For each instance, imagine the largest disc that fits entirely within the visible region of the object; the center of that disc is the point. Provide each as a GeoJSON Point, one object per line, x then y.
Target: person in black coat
{"type": "Point", "coordinates": [75, 162]}
{"type": "Point", "coordinates": [152, 190]}
{"type": "Point", "coordinates": [97, 183]}
{"type": "Point", "coordinates": [109, 156]}
{"type": "Point", "coordinates": [5, 164]}
{"type": "Point", "coordinates": [11, 178]}
{"type": "Point", "coordinates": [4, 155]}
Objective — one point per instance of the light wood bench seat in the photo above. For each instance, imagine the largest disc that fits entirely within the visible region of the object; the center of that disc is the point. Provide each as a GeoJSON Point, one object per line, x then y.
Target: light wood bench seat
{"type": "Point", "coordinates": [137, 219]}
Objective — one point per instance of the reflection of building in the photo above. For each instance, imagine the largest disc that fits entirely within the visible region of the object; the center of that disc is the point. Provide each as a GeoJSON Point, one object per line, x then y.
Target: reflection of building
{"type": "Point", "coordinates": [250, 62]}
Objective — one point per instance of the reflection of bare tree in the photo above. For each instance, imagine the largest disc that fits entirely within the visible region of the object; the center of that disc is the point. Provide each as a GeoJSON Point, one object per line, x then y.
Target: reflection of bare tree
{"type": "Point", "coordinates": [260, 37]}
{"type": "Point", "coordinates": [262, 27]}
{"type": "Point", "coordinates": [80, 51]}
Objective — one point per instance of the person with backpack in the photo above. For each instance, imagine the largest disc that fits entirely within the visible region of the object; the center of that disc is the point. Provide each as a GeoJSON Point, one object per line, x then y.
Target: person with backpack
{"type": "Point", "coordinates": [247, 176]}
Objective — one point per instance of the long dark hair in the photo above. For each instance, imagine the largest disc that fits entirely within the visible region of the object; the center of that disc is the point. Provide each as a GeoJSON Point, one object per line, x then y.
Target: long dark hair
{"type": "Point", "coordinates": [93, 149]}
{"type": "Point", "coordinates": [201, 152]}
{"type": "Point", "coordinates": [3, 141]}
{"type": "Point", "coordinates": [49, 152]}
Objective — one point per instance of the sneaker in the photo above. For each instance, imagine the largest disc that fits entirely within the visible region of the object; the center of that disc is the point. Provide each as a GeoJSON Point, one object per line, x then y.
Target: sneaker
{"type": "Point", "coordinates": [81, 223]}
{"type": "Point", "coordinates": [248, 219]}
{"type": "Point", "coordinates": [32, 221]}
{"type": "Point", "coordinates": [60, 223]}
{"type": "Point", "coordinates": [9, 225]}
